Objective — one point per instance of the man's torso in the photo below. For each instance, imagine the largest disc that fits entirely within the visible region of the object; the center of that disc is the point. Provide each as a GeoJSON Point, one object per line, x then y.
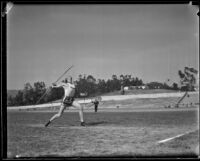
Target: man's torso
{"type": "Point", "coordinates": [69, 90]}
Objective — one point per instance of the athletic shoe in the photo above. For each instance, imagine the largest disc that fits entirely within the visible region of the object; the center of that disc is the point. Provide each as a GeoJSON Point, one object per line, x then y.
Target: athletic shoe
{"type": "Point", "coordinates": [82, 123]}
{"type": "Point", "coordinates": [47, 124]}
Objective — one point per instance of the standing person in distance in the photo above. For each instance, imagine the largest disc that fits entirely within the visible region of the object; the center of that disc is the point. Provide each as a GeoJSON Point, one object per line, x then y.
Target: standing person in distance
{"type": "Point", "coordinates": [96, 103]}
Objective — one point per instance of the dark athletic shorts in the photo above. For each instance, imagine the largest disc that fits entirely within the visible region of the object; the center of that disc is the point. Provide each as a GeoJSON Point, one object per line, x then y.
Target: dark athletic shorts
{"type": "Point", "coordinates": [68, 101]}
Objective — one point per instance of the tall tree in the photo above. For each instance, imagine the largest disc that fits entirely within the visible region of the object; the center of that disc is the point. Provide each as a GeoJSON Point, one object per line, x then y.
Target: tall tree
{"type": "Point", "coordinates": [28, 94]}
{"type": "Point", "coordinates": [10, 101]}
{"type": "Point", "coordinates": [114, 77]}
{"type": "Point", "coordinates": [39, 89]}
{"type": "Point", "coordinates": [91, 79]}
{"type": "Point", "coordinates": [19, 98]}
{"type": "Point", "coordinates": [187, 79]}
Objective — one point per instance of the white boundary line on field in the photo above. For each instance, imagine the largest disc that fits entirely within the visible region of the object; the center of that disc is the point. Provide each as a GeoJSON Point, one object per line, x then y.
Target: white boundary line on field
{"type": "Point", "coordinates": [177, 136]}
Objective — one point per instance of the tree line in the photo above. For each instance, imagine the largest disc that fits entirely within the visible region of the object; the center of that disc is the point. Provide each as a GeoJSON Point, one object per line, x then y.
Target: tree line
{"type": "Point", "coordinates": [87, 86]}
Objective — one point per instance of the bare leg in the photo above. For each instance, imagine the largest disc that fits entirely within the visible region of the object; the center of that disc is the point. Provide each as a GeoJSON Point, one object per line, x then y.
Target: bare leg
{"type": "Point", "coordinates": [96, 108]}
{"type": "Point", "coordinates": [78, 106]}
{"type": "Point", "coordinates": [62, 108]}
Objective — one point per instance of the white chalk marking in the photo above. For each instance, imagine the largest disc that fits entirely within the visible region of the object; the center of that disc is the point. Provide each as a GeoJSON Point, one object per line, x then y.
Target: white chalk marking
{"type": "Point", "coordinates": [165, 140]}
{"type": "Point", "coordinates": [177, 136]}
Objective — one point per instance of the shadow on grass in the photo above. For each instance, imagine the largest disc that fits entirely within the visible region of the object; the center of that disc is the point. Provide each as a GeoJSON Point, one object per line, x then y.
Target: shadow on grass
{"type": "Point", "coordinates": [96, 123]}
{"type": "Point", "coordinates": [75, 125]}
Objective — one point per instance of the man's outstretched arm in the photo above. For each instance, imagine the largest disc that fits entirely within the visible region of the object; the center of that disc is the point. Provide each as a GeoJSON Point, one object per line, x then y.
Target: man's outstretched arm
{"type": "Point", "coordinates": [54, 85]}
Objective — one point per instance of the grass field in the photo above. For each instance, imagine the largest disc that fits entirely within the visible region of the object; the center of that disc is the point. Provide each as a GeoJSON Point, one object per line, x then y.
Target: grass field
{"type": "Point", "coordinates": [126, 128]}
{"type": "Point", "coordinates": [134, 134]}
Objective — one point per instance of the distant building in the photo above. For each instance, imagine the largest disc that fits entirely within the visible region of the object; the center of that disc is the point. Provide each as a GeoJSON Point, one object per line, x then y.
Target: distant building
{"type": "Point", "coordinates": [126, 88]}
{"type": "Point", "coordinates": [83, 94]}
{"type": "Point", "coordinates": [135, 87]}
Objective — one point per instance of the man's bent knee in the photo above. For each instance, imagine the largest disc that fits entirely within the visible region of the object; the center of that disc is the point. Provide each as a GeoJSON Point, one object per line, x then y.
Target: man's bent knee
{"type": "Point", "coordinates": [58, 114]}
{"type": "Point", "coordinates": [77, 105]}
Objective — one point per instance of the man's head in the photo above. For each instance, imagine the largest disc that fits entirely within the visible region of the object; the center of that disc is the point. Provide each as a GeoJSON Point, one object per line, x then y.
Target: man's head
{"type": "Point", "coordinates": [69, 80]}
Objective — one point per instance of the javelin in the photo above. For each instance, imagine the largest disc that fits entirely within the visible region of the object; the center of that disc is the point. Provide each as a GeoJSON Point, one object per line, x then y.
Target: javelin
{"type": "Point", "coordinates": [63, 74]}
{"type": "Point", "coordinates": [54, 82]}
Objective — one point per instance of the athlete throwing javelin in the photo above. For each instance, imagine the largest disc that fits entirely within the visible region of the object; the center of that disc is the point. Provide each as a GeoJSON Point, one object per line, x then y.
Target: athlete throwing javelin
{"type": "Point", "coordinates": [68, 100]}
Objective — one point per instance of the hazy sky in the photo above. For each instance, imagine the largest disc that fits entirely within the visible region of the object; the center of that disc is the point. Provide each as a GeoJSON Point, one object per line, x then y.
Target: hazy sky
{"type": "Point", "coordinates": [151, 42]}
